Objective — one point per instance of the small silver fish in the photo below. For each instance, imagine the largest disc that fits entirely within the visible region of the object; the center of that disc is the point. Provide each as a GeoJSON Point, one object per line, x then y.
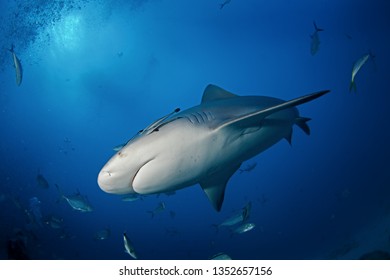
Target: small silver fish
{"type": "Point", "coordinates": [160, 208]}
{"type": "Point", "coordinates": [131, 197]}
{"type": "Point", "coordinates": [221, 256]}
{"type": "Point", "coordinates": [129, 249]}
{"type": "Point", "coordinates": [355, 69]}
{"type": "Point", "coordinates": [244, 228]}
{"type": "Point", "coordinates": [18, 66]}
{"type": "Point", "coordinates": [102, 234]}
{"type": "Point", "coordinates": [315, 39]}
{"type": "Point", "coordinates": [222, 5]}
{"type": "Point", "coordinates": [54, 222]}
{"type": "Point", "coordinates": [237, 218]}
{"type": "Point", "coordinates": [77, 201]}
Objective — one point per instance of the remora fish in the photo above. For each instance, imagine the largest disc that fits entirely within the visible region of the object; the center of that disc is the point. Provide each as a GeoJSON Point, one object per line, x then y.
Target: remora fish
{"type": "Point", "coordinates": [18, 66]}
{"type": "Point", "coordinates": [77, 201]}
{"type": "Point", "coordinates": [131, 197]}
{"type": "Point", "coordinates": [355, 69]}
{"type": "Point", "coordinates": [205, 144]}
{"type": "Point", "coordinates": [315, 39]}
{"type": "Point", "coordinates": [249, 167]}
{"type": "Point", "coordinates": [129, 246]}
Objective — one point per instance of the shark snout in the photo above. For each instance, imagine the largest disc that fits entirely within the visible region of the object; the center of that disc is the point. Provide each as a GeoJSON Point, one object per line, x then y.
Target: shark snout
{"type": "Point", "coordinates": [112, 182]}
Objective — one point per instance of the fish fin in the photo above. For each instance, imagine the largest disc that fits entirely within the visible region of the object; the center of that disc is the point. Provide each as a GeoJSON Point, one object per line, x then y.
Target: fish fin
{"type": "Point", "coordinates": [214, 186]}
{"type": "Point", "coordinates": [289, 136]}
{"type": "Point", "coordinates": [254, 119]}
{"type": "Point", "coordinates": [213, 92]}
{"type": "Point", "coordinates": [352, 86]}
{"type": "Point", "coordinates": [301, 122]}
{"type": "Point", "coordinates": [316, 27]}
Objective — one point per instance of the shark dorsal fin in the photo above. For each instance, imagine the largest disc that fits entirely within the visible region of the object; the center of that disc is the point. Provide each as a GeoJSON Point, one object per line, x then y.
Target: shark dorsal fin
{"type": "Point", "coordinates": [213, 92]}
{"type": "Point", "coordinates": [214, 186]}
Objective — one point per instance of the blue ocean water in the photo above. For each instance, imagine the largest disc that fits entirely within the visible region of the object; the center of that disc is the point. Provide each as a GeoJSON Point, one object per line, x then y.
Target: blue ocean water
{"type": "Point", "coordinates": [96, 72]}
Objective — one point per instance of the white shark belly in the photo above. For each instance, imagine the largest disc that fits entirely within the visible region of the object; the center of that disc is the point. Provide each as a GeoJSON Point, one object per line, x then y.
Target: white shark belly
{"type": "Point", "coordinates": [199, 152]}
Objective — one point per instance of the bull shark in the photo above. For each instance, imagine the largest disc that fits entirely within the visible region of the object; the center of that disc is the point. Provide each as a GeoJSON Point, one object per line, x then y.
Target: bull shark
{"type": "Point", "coordinates": [205, 144]}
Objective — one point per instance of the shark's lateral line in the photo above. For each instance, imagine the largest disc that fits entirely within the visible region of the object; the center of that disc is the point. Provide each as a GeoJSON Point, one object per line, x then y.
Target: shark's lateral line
{"type": "Point", "coordinates": [202, 145]}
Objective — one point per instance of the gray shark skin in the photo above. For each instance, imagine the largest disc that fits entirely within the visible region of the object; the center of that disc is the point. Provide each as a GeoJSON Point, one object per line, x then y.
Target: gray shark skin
{"type": "Point", "coordinates": [205, 144]}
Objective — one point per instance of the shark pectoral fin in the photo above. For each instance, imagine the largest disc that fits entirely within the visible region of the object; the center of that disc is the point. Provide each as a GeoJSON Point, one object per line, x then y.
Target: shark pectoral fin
{"type": "Point", "coordinates": [215, 185]}
{"type": "Point", "coordinates": [301, 123]}
{"type": "Point", "coordinates": [213, 92]}
{"type": "Point", "coordinates": [255, 118]}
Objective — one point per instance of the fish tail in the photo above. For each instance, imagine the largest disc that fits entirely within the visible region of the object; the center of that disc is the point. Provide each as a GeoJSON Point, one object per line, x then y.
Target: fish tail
{"type": "Point", "coordinates": [352, 86]}
{"type": "Point", "coordinates": [316, 27]}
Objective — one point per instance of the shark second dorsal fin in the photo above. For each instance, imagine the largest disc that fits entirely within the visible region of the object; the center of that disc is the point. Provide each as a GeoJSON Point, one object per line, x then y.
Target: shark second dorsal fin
{"type": "Point", "coordinates": [212, 92]}
{"type": "Point", "coordinates": [214, 186]}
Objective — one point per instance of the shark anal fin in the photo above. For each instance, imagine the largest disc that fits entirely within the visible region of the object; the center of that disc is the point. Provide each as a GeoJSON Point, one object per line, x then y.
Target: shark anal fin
{"type": "Point", "coordinates": [301, 122]}
{"type": "Point", "coordinates": [215, 185]}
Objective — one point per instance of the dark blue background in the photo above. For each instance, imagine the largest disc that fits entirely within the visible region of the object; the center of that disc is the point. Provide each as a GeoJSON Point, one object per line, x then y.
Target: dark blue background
{"type": "Point", "coordinates": [96, 72]}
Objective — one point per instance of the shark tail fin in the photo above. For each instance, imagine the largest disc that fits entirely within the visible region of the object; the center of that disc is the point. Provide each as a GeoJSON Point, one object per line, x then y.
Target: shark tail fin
{"type": "Point", "coordinates": [352, 86]}
{"type": "Point", "coordinates": [301, 122]}
{"type": "Point", "coordinates": [317, 28]}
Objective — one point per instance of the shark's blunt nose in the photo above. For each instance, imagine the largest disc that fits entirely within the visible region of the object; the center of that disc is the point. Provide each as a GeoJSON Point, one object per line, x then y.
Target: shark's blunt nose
{"type": "Point", "coordinates": [103, 179]}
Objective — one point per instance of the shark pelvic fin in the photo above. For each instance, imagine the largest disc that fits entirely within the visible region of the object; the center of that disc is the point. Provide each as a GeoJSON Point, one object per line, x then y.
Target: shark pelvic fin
{"type": "Point", "coordinates": [213, 92]}
{"type": "Point", "coordinates": [215, 185]}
